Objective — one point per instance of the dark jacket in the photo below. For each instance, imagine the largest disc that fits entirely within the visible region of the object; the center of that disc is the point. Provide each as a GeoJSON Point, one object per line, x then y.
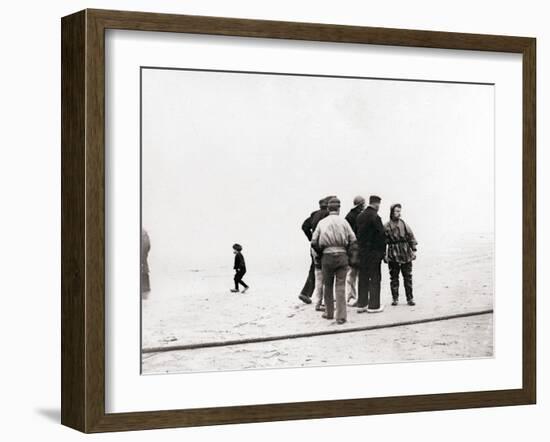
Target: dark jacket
{"type": "Point", "coordinates": [239, 262]}
{"type": "Point", "coordinates": [351, 217]}
{"type": "Point", "coordinates": [310, 223]}
{"type": "Point", "coordinates": [370, 232]}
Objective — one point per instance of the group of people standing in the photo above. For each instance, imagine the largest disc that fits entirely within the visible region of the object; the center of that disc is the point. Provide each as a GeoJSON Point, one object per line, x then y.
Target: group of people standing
{"type": "Point", "coordinates": [347, 255]}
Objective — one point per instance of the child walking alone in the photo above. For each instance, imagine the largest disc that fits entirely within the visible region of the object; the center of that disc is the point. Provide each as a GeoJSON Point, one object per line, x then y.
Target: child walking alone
{"type": "Point", "coordinates": [240, 269]}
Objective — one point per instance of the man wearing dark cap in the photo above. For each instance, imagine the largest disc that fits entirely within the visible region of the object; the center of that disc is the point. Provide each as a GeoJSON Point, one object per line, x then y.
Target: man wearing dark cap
{"type": "Point", "coordinates": [308, 227]}
{"type": "Point", "coordinates": [332, 239]}
{"type": "Point", "coordinates": [353, 273]}
{"type": "Point", "coordinates": [372, 248]}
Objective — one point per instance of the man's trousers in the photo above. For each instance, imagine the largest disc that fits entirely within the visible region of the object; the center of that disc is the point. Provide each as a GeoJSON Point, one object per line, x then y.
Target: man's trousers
{"type": "Point", "coordinates": [319, 288]}
{"type": "Point", "coordinates": [309, 285]}
{"type": "Point", "coordinates": [351, 283]}
{"type": "Point", "coordinates": [370, 275]}
{"type": "Point", "coordinates": [335, 269]}
{"type": "Point", "coordinates": [406, 271]}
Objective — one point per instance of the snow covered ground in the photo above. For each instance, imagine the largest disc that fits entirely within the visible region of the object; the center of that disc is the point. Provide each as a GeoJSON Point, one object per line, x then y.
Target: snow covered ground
{"type": "Point", "coordinates": [470, 337]}
{"type": "Point", "coordinates": [195, 306]}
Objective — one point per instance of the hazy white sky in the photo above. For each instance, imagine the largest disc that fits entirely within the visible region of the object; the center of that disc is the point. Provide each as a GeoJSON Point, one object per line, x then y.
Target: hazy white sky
{"type": "Point", "coordinates": [232, 157]}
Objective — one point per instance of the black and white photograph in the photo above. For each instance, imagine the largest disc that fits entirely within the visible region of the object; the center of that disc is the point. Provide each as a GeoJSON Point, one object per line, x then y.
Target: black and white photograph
{"type": "Point", "coordinates": [298, 220]}
{"type": "Point", "coordinates": [264, 221]}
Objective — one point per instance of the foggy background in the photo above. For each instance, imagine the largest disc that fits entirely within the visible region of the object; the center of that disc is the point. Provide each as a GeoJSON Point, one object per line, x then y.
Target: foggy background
{"type": "Point", "coordinates": [234, 157]}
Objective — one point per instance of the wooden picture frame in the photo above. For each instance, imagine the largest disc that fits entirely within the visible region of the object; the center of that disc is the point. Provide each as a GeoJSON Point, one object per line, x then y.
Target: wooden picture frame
{"type": "Point", "coordinates": [83, 220]}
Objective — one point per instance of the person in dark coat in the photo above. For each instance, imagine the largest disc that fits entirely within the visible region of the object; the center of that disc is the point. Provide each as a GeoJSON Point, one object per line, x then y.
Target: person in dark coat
{"type": "Point", "coordinates": [353, 273]}
{"type": "Point", "coordinates": [358, 207]}
{"type": "Point", "coordinates": [145, 284]}
{"type": "Point", "coordinates": [372, 248]}
{"type": "Point", "coordinates": [240, 269]}
{"type": "Point", "coordinates": [308, 227]}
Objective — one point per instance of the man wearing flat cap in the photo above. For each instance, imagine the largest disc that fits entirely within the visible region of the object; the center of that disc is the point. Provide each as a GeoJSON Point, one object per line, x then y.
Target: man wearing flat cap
{"type": "Point", "coordinates": [372, 248]}
{"type": "Point", "coordinates": [332, 239]}
{"type": "Point", "coordinates": [353, 273]}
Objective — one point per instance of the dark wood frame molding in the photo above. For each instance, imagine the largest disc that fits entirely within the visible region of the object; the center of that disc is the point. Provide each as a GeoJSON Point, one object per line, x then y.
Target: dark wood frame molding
{"type": "Point", "coordinates": [83, 217]}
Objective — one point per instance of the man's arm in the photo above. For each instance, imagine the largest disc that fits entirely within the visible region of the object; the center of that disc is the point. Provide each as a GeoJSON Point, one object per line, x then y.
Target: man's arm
{"type": "Point", "coordinates": [315, 241]}
{"type": "Point", "coordinates": [359, 223]}
{"type": "Point", "coordinates": [410, 237]}
{"type": "Point", "coordinates": [350, 235]}
{"type": "Point", "coordinates": [379, 236]}
{"type": "Point", "coordinates": [306, 227]}
{"type": "Point", "coordinates": [352, 222]}
{"type": "Point", "coordinates": [387, 241]}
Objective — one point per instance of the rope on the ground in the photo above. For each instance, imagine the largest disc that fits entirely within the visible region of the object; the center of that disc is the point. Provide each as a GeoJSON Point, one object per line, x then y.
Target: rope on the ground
{"type": "Point", "coordinates": [335, 331]}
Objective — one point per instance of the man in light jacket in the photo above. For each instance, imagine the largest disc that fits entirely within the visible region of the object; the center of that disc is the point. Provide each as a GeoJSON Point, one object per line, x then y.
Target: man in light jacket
{"type": "Point", "coordinates": [332, 240]}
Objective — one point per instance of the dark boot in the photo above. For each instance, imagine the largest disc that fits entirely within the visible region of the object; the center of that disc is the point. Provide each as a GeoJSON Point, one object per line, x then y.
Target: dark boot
{"type": "Point", "coordinates": [406, 269]}
{"type": "Point", "coordinates": [394, 281]}
{"type": "Point", "coordinates": [394, 294]}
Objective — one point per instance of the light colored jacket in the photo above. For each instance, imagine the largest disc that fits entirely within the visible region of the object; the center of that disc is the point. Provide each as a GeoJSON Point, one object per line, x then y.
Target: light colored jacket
{"type": "Point", "coordinates": [333, 235]}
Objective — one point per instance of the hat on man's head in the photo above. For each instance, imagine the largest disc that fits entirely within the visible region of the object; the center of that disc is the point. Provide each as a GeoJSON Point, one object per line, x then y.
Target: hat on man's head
{"type": "Point", "coordinates": [358, 200]}
{"type": "Point", "coordinates": [374, 199]}
{"type": "Point", "coordinates": [237, 247]}
{"type": "Point", "coordinates": [324, 202]}
{"type": "Point", "coordinates": [334, 203]}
